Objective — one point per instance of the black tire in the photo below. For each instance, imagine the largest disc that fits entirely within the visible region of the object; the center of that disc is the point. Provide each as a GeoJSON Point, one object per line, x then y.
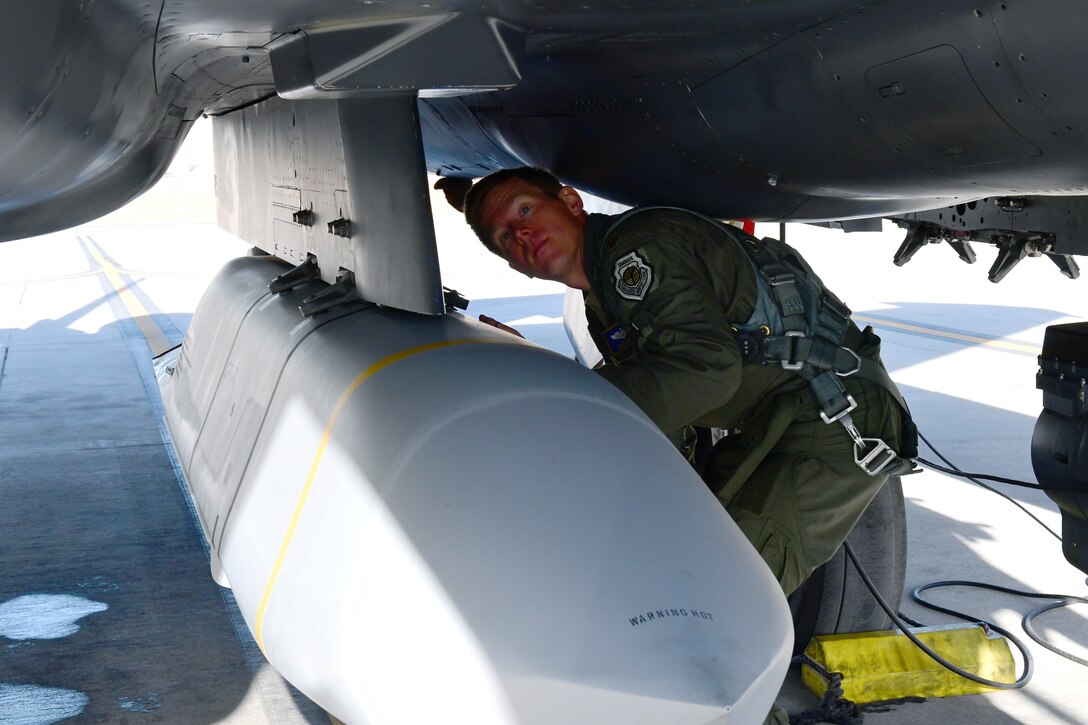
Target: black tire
{"type": "Point", "coordinates": [834, 600]}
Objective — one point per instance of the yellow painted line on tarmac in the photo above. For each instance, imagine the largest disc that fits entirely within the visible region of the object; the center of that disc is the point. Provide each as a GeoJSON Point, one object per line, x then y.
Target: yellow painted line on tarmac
{"type": "Point", "coordinates": [47, 280]}
{"type": "Point", "coordinates": [95, 272]}
{"type": "Point", "coordinates": [322, 445]}
{"type": "Point", "coordinates": [948, 335]}
{"type": "Point", "coordinates": [156, 340]}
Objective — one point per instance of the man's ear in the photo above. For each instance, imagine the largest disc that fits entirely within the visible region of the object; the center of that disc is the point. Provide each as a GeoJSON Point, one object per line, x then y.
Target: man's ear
{"type": "Point", "coordinates": [572, 199]}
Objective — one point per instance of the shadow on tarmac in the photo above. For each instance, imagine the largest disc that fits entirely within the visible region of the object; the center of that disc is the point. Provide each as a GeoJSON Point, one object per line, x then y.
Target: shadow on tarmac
{"type": "Point", "coordinates": [108, 613]}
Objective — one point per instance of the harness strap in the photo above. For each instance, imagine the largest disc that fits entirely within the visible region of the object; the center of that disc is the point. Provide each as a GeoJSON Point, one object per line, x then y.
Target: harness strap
{"type": "Point", "coordinates": [831, 394]}
{"type": "Point", "coordinates": [840, 360]}
{"type": "Point", "coordinates": [791, 305]}
{"type": "Point", "coordinates": [823, 355]}
{"type": "Point", "coordinates": [793, 351]}
{"type": "Point", "coordinates": [833, 322]}
{"type": "Point", "coordinates": [825, 365]}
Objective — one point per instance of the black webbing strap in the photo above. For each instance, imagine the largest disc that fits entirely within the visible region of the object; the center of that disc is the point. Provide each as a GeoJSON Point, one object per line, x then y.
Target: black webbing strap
{"type": "Point", "coordinates": [833, 321]}
{"type": "Point", "coordinates": [791, 305]}
{"type": "Point", "coordinates": [826, 356]}
{"type": "Point", "coordinates": [831, 395]}
{"type": "Point", "coordinates": [794, 352]}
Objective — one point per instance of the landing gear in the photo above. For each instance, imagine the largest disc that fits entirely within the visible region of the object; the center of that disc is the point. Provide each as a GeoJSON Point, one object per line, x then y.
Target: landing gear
{"type": "Point", "coordinates": [834, 600]}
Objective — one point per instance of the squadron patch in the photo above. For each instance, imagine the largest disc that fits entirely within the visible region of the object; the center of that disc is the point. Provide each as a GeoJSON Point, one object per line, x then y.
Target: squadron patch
{"type": "Point", "coordinates": [633, 276]}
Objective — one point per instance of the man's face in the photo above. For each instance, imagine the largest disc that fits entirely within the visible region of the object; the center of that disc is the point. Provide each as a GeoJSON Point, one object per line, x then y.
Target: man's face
{"type": "Point", "coordinates": [537, 234]}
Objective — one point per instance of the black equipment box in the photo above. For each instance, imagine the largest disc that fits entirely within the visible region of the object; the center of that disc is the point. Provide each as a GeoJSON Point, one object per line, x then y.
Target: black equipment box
{"type": "Point", "coordinates": [1059, 445]}
{"type": "Point", "coordinates": [1063, 368]}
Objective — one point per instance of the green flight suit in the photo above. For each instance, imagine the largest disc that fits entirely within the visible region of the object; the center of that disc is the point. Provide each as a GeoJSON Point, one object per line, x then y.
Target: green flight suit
{"type": "Point", "coordinates": [667, 286]}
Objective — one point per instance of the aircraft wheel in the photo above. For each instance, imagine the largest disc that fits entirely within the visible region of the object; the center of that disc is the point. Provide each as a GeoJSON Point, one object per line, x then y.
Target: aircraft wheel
{"type": "Point", "coordinates": [834, 599]}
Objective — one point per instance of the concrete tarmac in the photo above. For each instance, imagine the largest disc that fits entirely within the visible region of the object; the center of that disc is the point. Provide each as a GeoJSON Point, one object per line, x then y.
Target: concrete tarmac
{"type": "Point", "coordinates": [107, 611]}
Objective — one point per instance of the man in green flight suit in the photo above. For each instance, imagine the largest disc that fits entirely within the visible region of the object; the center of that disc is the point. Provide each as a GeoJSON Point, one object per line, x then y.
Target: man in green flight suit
{"type": "Point", "coordinates": [667, 292]}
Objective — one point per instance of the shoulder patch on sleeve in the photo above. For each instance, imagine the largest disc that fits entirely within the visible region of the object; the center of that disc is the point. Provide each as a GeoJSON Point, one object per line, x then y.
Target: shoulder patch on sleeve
{"type": "Point", "coordinates": [633, 276]}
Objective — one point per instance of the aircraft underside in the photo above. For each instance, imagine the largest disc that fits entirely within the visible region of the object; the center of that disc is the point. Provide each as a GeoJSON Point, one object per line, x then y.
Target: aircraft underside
{"type": "Point", "coordinates": [788, 110]}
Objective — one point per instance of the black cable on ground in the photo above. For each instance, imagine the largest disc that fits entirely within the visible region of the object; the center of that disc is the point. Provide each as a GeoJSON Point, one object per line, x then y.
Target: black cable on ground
{"type": "Point", "coordinates": [833, 708]}
{"type": "Point", "coordinates": [973, 477]}
{"type": "Point", "coordinates": [1063, 600]}
{"type": "Point", "coordinates": [1030, 629]}
{"type": "Point", "coordinates": [1024, 678]}
{"type": "Point", "coordinates": [908, 620]}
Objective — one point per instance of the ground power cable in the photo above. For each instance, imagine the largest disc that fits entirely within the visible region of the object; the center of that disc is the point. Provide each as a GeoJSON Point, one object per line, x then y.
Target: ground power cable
{"type": "Point", "coordinates": [1027, 623]}
{"type": "Point", "coordinates": [974, 478]}
{"type": "Point", "coordinates": [1029, 661]}
{"type": "Point", "coordinates": [1063, 600]}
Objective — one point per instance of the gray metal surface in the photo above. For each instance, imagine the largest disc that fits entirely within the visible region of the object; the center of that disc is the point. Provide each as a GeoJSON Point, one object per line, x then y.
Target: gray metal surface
{"type": "Point", "coordinates": [393, 251]}
{"type": "Point", "coordinates": [1058, 220]}
{"type": "Point", "coordinates": [356, 163]}
{"type": "Point", "coordinates": [399, 56]}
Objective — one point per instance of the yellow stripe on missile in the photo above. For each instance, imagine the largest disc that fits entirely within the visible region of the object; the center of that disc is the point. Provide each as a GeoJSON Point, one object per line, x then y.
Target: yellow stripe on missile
{"type": "Point", "coordinates": [949, 335]}
{"type": "Point", "coordinates": [322, 445]}
{"type": "Point", "coordinates": [156, 339]}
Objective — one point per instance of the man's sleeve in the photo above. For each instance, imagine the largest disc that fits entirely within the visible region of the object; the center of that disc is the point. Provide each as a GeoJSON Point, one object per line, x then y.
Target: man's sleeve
{"type": "Point", "coordinates": [686, 361]}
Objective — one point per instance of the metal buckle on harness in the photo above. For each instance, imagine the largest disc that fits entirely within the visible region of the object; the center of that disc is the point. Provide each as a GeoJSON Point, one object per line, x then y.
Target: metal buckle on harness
{"type": "Point", "coordinates": [875, 460]}
{"type": "Point", "coordinates": [851, 404]}
{"type": "Point", "coordinates": [777, 279]}
{"type": "Point", "coordinates": [857, 363]}
{"type": "Point", "coordinates": [786, 364]}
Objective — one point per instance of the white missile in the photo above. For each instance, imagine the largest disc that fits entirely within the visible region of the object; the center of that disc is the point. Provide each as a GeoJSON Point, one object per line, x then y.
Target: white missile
{"type": "Point", "coordinates": [426, 520]}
